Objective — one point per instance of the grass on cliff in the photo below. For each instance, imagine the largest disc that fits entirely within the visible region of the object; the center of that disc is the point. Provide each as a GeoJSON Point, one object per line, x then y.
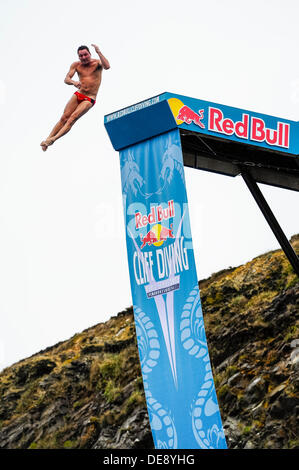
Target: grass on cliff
{"type": "Point", "coordinates": [100, 366]}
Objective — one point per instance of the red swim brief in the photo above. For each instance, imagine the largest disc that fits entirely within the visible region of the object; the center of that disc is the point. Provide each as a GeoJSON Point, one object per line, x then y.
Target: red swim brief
{"type": "Point", "coordinates": [81, 97]}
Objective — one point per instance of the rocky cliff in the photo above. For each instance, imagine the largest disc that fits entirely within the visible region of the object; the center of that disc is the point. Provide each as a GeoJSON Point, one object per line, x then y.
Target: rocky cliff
{"type": "Point", "coordinates": [87, 392]}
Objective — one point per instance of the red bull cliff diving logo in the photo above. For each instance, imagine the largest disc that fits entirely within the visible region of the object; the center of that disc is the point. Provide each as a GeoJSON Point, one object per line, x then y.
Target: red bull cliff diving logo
{"type": "Point", "coordinates": [166, 265]}
{"type": "Point", "coordinates": [248, 127]}
{"type": "Point", "coordinates": [163, 260]}
{"type": "Point", "coordinates": [158, 234]}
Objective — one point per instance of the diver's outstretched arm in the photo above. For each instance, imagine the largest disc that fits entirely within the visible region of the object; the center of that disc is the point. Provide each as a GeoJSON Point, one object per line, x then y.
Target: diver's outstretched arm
{"type": "Point", "coordinates": [104, 61]}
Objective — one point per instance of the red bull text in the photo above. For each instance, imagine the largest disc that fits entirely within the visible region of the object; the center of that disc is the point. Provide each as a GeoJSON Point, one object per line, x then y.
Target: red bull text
{"type": "Point", "coordinates": [248, 128]}
{"type": "Point", "coordinates": [256, 131]}
{"type": "Point", "coordinates": [156, 215]}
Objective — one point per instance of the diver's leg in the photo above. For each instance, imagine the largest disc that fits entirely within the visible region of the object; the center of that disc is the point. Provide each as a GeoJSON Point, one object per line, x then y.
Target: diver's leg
{"type": "Point", "coordinates": [71, 106]}
{"type": "Point", "coordinates": [81, 109]}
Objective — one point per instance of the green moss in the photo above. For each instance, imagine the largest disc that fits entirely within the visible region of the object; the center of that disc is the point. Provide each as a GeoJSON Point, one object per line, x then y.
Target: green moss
{"type": "Point", "coordinates": [29, 398]}
{"type": "Point", "coordinates": [112, 392]}
{"type": "Point", "coordinates": [139, 385]}
{"type": "Point", "coordinates": [95, 420]}
{"type": "Point", "coordinates": [135, 399]}
{"type": "Point", "coordinates": [70, 444]}
{"type": "Point", "coordinates": [222, 391]}
{"type": "Point", "coordinates": [246, 429]}
{"type": "Point", "coordinates": [231, 370]}
{"type": "Point", "coordinates": [111, 366]}
{"type": "Point", "coordinates": [294, 444]}
{"type": "Point", "coordinates": [33, 445]}
{"type": "Point", "coordinates": [262, 298]}
{"type": "Point", "coordinates": [47, 443]}
{"type": "Point", "coordinates": [77, 404]}
{"type": "Point", "coordinates": [291, 333]}
{"type": "Point", "coordinates": [238, 301]}
{"type": "Point", "coordinates": [292, 281]}
{"type": "Point", "coordinates": [71, 359]}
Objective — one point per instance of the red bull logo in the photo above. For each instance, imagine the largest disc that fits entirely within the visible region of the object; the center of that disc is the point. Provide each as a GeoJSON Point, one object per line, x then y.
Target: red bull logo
{"type": "Point", "coordinates": [187, 115]}
{"type": "Point", "coordinates": [156, 236]}
{"type": "Point", "coordinates": [249, 127]}
{"type": "Point", "coordinates": [184, 114]}
{"type": "Point", "coordinates": [252, 128]}
{"type": "Point", "coordinates": [157, 214]}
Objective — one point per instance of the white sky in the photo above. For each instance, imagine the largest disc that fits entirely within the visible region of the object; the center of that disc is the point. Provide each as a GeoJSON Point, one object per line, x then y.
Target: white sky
{"type": "Point", "coordinates": [63, 265]}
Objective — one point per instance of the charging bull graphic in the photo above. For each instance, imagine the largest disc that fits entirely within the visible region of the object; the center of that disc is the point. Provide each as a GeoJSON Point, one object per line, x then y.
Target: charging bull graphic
{"type": "Point", "coordinates": [187, 115]}
{"type": "Point", "coordinates": [156, 236]}
{"type": "Point", "coordinates": [148, 239]}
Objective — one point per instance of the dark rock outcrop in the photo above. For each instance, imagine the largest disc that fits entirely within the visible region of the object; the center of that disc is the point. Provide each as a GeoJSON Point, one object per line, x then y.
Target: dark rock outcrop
{"type": "Point", "coordinates": [87, 392]}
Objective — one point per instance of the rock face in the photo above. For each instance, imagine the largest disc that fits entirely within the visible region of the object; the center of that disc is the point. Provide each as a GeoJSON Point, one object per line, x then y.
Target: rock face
{"type": "Point", "coordinates": [87, 392]}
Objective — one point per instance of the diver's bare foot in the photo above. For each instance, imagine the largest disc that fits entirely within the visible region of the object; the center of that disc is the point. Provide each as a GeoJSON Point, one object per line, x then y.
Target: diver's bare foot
{"type": "Point", "coordinates": [45, 144]}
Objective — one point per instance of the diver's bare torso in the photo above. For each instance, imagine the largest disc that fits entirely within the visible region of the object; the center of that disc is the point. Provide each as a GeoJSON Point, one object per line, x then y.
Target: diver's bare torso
{"type": "Point", "coordinates": [90, 77]}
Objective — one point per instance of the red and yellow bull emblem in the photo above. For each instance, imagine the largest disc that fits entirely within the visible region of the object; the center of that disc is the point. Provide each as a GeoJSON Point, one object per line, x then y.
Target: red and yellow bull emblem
{"type": "Point", "coordinates": [158, 233]}
{"type": "Point", "coordinates": [156, 236]}
{"type": "Point", "coordinates": [248, 128]}
{"type": "Point", "coordinates": [183, 113]}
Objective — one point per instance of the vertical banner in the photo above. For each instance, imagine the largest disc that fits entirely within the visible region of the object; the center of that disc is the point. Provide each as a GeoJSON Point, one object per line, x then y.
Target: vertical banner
{"type": "Point", "coordinates": [175, 364]}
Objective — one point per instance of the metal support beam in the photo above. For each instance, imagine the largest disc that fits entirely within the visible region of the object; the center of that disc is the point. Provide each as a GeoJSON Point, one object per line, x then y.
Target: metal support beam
{"type": "Point", "coordinates": [269, 216]}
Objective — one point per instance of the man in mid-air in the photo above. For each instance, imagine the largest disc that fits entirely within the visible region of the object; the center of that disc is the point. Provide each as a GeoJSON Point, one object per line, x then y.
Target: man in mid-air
{"type": "Point", "coordinates": [89, 72]}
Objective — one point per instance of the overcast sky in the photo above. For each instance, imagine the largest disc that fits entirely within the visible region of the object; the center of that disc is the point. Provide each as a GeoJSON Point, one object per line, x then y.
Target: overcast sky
{"type": "Point", "coordinates": [63, 264]}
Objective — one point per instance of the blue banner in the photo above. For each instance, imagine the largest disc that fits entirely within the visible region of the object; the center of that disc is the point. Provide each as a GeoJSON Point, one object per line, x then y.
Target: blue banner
{"type": "Point", "coordinates": [176, 369]}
